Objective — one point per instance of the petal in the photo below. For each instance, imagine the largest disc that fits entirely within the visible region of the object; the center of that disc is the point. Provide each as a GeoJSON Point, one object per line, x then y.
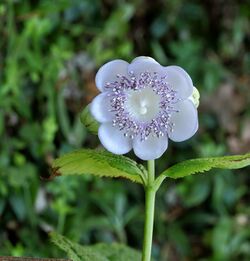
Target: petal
{"type": "Point", "coordinates": [113, 139]}
{"type": "Point", "coordinates": [185, 121]}
{"type": "Point", "coordinates": [108, 72]}
{"type": "Point", "coordinates": [144, 64]}
{"type": "Point", "coordinates": [100, 108]}
{"type": "Point", "coordinates": [196, 127]}
{"type": "Point", "coordinates": [179, 80]}
{"type": "Point", "coordinates": [150, 149]}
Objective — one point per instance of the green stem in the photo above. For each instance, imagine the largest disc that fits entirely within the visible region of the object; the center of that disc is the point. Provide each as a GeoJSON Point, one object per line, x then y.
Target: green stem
{"type": "Point", "coordinates": [149, 214]}
{"type": "Point", "coordinates": [151, 172]}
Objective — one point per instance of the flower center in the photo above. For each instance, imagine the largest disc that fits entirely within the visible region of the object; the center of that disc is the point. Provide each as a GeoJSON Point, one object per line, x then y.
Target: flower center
{"type": "Point", "coordinates": [142, 105]}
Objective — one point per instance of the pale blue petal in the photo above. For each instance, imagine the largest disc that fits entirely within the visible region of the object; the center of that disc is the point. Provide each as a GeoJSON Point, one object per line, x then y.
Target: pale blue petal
{"type": "Point", "coordinates": [150, 149]}
{"type": "Point", "coordinates": [108, 72]}
{"type": "Point", "coordinates": [113, 139]}
{"type": "Point", "coordinates": [144, 64]}
{"type": "Point", "coordinates": [100, 108]}
{"type": "Point", "coordinates": [185, 121]}
{"type": "Point", "coordinates": [179, 80]}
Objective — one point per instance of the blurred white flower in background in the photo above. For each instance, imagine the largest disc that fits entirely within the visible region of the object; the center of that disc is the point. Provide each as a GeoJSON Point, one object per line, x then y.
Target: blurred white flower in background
{"type": "Point", "coordinates": [142, 105]}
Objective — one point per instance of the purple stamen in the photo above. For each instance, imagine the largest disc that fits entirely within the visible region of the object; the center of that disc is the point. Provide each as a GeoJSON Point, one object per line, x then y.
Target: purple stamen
{"type": "Point", "coordinates": [158, 126]}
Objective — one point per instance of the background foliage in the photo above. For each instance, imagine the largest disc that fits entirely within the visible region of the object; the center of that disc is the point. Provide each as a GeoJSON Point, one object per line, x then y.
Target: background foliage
{"type": "Point", "coordinates": [49, 53]}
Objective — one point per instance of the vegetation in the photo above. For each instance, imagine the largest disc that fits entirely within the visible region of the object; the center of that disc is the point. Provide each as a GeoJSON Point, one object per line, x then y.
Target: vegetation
{"type": "Point", "coordinates": [49, 53]}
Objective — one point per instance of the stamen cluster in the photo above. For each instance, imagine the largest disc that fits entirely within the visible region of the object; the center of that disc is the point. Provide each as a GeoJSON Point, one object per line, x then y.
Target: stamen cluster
{"type": "Point", "coordinates": [160, 125]}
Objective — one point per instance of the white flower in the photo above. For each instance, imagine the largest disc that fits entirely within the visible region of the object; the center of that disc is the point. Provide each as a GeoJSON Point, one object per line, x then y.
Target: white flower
{"type": "Point", "coordinates": [142, 105]}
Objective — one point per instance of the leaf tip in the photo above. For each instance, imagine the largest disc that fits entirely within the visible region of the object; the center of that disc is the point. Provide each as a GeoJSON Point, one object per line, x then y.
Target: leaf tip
{"type": "Point", "coordinates": [54, 172]}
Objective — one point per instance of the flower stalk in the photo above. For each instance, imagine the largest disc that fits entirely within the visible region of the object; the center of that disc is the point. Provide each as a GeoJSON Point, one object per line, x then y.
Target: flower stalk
{"type": "Point", "coordinates": [150, 193]}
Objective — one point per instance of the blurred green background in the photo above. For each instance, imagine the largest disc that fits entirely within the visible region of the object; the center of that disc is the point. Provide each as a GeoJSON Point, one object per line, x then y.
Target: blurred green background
{"type": "Point", "coordinates": [49, 54]}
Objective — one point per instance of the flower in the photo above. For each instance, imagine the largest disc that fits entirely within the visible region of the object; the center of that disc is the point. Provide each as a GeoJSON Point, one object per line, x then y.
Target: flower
{"type": "Point", "coordinates": [142, 105]}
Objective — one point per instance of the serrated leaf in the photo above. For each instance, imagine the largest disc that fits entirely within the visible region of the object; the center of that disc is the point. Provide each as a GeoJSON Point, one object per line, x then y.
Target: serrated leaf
{"type": "Point", "coordinates": [195, 166]}
{"type": "Point", "coordinates": [75, 251]}
{"type": "Point", "coordinates": [98, 252]}
{"type": "Point", "coordinates": [88, 121]}
{"type": "Point", "coordinates": [98, 163]}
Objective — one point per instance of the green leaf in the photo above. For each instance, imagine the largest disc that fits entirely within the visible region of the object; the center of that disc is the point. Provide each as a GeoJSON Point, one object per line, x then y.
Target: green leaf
{"type": "Point", "coordinates": [98, 163]}
{"type": "Point", "coordinates": [115, 252]}
{"type": "Point", "coordinates": [88, 121]}
{"type": "Point", "coordinates": [98, 252]}
{"type": "Point", "coordinates": [75, 251]}
{"type": "Point", "coordinates": [195, 166]}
